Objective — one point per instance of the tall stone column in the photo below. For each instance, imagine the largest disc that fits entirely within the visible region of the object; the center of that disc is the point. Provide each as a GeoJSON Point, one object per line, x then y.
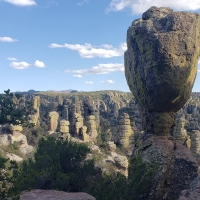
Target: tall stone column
{"type": "Point", "coordinates": [53, 119]}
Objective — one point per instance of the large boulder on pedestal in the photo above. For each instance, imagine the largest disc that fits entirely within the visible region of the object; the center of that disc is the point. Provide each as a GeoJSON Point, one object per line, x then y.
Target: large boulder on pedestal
{"type": "Point", "coordinates": [160, 68]}
{"type": "Point", "coordinates": [161, 64]}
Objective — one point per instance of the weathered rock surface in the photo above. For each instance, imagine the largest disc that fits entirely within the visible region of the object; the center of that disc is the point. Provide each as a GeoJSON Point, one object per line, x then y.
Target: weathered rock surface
{"type": "Point", "coordinates": [54, 195]}
{"type": "Point", "coordinates": [161, 64]}
{"type": "Point", "coordinates": [160, 68]}
{"type": "Point", "coordinates": [14, 157]}
{"type": "Point", "coordinates": [4, 139]}
{"type": "Point", "coordinates": [193, 193]}
{"type": "Point", "coordinates": [177, 165]}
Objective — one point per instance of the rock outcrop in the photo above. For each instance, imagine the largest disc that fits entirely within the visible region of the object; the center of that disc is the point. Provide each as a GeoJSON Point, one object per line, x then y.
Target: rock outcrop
{"type": "Point", "coordinates": [17, 136]}
{"type": "Point", "coordinates": [54, 195]}
{"type": "Point", "coordinates": [160, 68]}
{"type": "Point", "coordinates": [193, 193]}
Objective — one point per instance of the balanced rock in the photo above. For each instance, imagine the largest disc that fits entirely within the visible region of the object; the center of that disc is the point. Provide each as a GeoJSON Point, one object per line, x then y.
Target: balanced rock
{"type": "Point", "coordinates": [160, 68]}
{"type": "Point", "coordinates": [161, 64]}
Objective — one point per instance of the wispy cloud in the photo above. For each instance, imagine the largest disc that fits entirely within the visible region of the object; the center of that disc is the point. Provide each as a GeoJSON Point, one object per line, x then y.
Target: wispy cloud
{"type": "Point", "coordinates": [89, 82]}
{"type": "Point", "coordinates": [22, 2]}
{"type": "Point", "coordinates": [90, 51]}
{"type": "Point", "coordinates": [7, 39]}
{"type": "Point", "coordinates": [108, 81]}
{"type": "Point", "coordinates": [139, 6]}
{"type": "Point", "coordinates": [99, 69]}
{"type": "Point", "coordinates": [12, 59]}
{"type": "Point", "coordinates": [20, 65]}
{"type": "Point", "coordinates": [39, 64]}
{"type": "Point", "coordinates": [78, 75]}
{"type": "Point", "coordinates": [82, 2]}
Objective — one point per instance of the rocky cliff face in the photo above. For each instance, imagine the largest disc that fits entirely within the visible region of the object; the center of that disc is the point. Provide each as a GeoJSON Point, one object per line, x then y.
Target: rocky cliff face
{"type": "Point", "coordinates": [160, 68]}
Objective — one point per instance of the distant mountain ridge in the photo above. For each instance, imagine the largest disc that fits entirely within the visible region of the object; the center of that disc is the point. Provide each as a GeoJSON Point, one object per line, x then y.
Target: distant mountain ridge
{"type": "Point", "coordinates": [56, 91]}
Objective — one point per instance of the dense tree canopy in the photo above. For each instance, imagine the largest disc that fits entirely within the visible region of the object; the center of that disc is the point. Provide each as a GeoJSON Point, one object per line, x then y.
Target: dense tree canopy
{"type": "Point", "coordinates": [14, 109]}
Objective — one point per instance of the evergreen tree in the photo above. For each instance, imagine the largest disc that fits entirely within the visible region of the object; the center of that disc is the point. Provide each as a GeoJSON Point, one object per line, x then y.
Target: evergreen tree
{"type": "Point", "coordinates": [56, 165]}
{"type": "Point", "coordinates": [14, 110]}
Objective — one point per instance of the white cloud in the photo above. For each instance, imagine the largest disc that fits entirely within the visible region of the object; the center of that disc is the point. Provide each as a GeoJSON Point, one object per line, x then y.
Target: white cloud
{"type": "Point", "coordinates": [199, 70]}
{"type": "Point", "coordinates": [139, 6]}
{"type": "Point", "coordinates": [22, 2]}
{"type": "Point", "coordinates": [12, 59]}
{"type": "Point", "coordinates": [20, 65]}
{"type": "Point", "coordinates": [89, 82]}
{"type": "Point", "coordinates": [198, 61]}
{"type": "Point", "coordinates": [99, 69]}
{"type": "Point", "coordinates": [39, 64]}
{"type": "Point", "coordinates": [7, 39]}
{"type": "Point", "coordinates": [78, 75]}
{"type": "Point", "coordinates": [82, 2]}
{"type": "Point", "coordinates": [108, 81]}
{"type": "Point", "coordinates": [89, 51]}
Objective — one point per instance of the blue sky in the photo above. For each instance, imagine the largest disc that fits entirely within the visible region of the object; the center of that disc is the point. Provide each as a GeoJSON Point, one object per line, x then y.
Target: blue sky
{"type": "Point", "coordinates": [70, 44]}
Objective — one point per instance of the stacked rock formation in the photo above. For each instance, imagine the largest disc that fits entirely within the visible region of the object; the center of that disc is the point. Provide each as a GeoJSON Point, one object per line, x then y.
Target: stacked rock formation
{"type": "Point", "coordinates": [195, 144]}
{"type": "Point", "coordinates": [118, 161]}
{"type": "Point", "coordinates": [160, 68]}
{"type": "Point", "coordinates": [64, 129]}
{"type": "Point", "coordinates": [180, 134]}
{"type": "Point", "coordinates": [65, 113]}
{"type": "Point", "coordinates": [125, 131]}
{"type": "Point", "coordinates": [83, 135]}
{"type": "Point", "coordinates": [78, 124]}
{"type": "Point", "coordinates": [53, 118]}
{"type": "Point", "coordinates": [91, 127]}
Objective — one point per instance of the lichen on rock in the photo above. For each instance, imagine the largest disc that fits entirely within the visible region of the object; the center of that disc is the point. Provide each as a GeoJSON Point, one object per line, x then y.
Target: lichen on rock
{"type": "Point", "coordinates": [160, 68]}
{"type": "Point", "coordinates": [161, 64]}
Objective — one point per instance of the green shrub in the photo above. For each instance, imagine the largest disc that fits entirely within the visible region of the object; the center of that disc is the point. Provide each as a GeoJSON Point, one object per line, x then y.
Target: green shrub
{"type": "Point", "coordinates": [57, 165]}
{"type": "Point", "coordinates": [119, 187]}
